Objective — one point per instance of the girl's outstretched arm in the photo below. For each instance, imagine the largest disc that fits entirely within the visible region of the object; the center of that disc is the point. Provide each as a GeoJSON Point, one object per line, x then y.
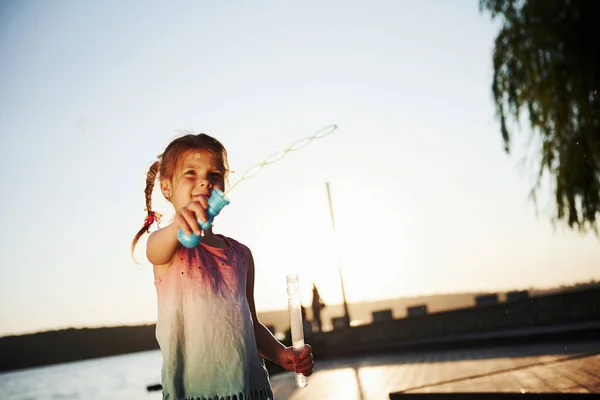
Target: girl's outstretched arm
{"type": "Point", "coordinates": [162, 245]}
{"type": "Point", "coordinates": [268, 345]}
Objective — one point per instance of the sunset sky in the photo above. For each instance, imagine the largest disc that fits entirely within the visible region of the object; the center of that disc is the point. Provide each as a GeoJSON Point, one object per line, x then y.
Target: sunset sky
{"type": "Point", "coordinates": [426, 200]}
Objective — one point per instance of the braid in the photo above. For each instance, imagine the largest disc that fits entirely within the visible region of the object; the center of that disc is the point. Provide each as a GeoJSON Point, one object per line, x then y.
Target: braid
{"type": "Point", "coordinates": [152, 215]}
{"type": "Point", "coordinates": [150, 179]}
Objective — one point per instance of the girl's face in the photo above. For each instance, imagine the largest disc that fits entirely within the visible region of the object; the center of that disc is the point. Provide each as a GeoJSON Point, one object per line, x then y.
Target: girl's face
{"type": "Point", "coordinates": [196, 176]}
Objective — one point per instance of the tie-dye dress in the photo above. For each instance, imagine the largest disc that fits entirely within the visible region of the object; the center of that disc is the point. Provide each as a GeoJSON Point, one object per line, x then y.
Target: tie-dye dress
{"type": "Point", "coordinates": [205, 329]}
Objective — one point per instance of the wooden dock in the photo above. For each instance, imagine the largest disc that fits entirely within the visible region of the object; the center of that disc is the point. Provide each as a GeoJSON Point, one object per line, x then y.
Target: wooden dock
{"type": "Point", "coordinates": [546, 368]}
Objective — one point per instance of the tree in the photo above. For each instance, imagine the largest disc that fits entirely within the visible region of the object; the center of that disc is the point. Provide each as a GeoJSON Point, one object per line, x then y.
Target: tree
{"type": "Point", "coordinates": [547, 68]}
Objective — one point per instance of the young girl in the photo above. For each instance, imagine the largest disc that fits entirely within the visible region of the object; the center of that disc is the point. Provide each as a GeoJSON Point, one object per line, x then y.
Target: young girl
{"type": "Point", "coordinates": [207, 328]}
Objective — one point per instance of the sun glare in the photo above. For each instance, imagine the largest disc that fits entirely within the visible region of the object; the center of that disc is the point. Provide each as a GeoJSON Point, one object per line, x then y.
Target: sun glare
{"type": "Point", "coordinates": [372, 256]}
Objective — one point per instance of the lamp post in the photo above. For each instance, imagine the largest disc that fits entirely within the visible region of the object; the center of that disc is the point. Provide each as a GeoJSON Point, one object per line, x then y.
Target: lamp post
{"type": "Point", "coordinates": [346, 314]}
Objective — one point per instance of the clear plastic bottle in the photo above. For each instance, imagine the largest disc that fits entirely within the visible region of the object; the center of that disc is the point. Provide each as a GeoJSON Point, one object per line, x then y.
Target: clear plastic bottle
{"type": "Point", "coordinates": [295, 309]}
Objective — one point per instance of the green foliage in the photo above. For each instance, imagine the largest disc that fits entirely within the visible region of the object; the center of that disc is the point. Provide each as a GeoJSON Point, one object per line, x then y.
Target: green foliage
{"type": "Point", "coordinates": [547, 67]}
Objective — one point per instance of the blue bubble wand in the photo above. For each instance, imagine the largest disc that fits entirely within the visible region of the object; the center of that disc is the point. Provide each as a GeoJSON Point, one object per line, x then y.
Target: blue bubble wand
{"type": "Point", "coordinates": [218, 199]}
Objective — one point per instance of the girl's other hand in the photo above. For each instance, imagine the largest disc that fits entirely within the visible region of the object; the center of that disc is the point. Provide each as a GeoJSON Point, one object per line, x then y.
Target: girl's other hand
{"type": "Point", "coordinates": [187, 217]}
{"type": "Point", "coordinates": [302, 362]}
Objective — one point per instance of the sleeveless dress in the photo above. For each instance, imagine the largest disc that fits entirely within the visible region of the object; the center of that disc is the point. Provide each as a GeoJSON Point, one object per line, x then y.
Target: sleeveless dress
{"type": "Point", "coordinates": [205, 330]}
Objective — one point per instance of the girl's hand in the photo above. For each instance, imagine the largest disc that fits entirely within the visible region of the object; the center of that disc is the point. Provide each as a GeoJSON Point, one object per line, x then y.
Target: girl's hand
{"type": "Point", "coordinates": [301, 363]}
{"type": "Point", "coordinates": [187, 217]}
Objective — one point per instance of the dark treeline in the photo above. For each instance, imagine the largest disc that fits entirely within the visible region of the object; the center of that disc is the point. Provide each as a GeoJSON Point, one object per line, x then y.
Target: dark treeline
{"type": "Point", "coordinates": [24, 351]}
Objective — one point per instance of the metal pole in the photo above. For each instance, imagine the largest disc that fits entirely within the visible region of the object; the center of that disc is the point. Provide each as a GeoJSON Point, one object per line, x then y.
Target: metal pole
{"type": "Point", "coordinates": [346, 314]}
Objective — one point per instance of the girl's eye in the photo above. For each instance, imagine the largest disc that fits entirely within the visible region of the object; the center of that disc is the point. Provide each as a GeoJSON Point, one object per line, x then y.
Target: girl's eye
{"type": "Point", "coordinates": [215, 175]}
{"type": "Point", "coordinates": [190, 172]}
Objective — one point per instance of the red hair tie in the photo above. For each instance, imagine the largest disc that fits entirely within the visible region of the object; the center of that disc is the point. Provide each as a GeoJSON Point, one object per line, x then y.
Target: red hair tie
{"type": "Point", "coordinates": [150, 218]}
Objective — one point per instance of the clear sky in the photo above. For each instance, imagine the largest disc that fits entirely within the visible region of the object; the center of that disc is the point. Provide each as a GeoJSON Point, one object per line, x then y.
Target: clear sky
{"type": "Point", "coordinates": [426, 200]}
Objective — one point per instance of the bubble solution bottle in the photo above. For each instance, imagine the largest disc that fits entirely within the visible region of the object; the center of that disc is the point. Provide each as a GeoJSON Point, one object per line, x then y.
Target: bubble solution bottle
{"type": "Point", "coordinates": [295, 309]}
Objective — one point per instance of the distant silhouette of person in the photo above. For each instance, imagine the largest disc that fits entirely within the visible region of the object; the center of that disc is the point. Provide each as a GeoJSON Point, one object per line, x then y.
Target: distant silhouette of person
{"type": "Point", "coordinates": [317, 306]}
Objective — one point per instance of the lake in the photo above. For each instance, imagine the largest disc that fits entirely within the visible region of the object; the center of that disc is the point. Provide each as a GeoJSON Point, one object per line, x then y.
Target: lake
{"type": "Point", "coordinates": [118, 377]}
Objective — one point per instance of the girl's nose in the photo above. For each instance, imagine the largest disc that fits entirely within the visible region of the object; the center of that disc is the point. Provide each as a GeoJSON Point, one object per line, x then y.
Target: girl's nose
{"type": "Point", "coordinates": [204, 183]}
